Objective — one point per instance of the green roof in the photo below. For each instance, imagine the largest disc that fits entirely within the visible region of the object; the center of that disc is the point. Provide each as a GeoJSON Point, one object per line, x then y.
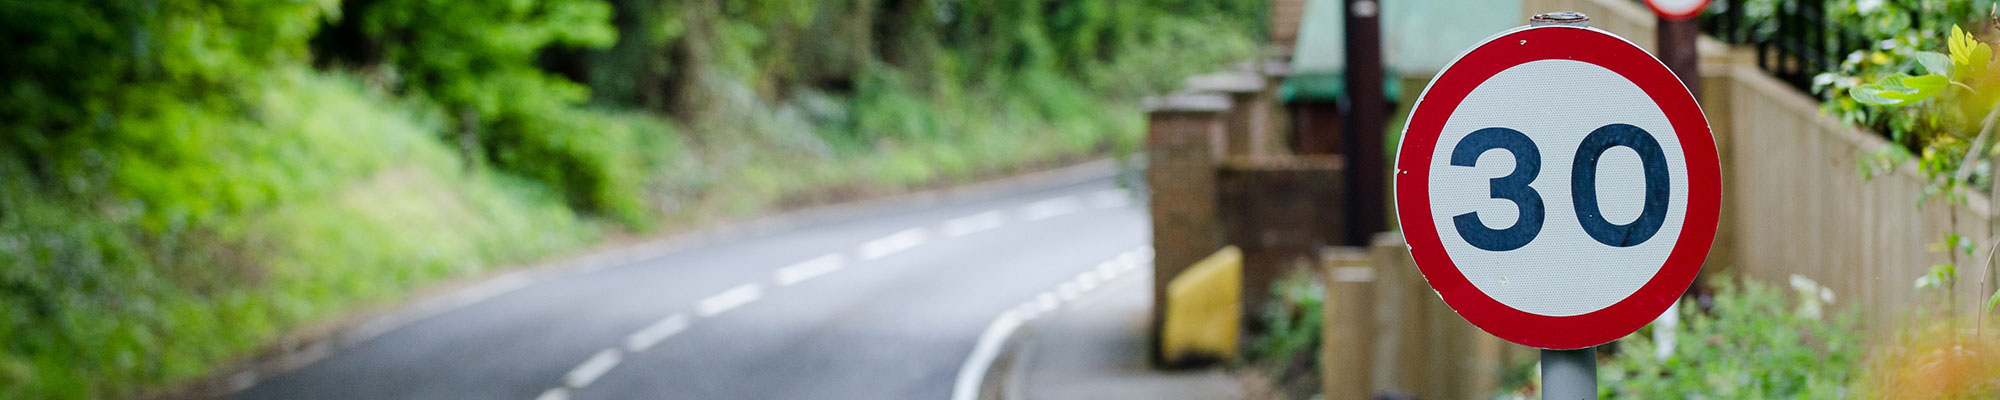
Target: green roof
{"type": "Point", "coordinates": [1327, 86]}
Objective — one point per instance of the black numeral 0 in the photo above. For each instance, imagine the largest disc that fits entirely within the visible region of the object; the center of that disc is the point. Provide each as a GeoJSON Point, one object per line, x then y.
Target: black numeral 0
{"type": "Point", "coordinates": [1583, 187]}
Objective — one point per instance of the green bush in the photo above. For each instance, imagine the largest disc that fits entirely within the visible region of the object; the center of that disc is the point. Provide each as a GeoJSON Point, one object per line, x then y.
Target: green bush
{"type": "Point", "coordinates": [216, 227]}
{"type": "Point", "coordinates": [1752, 344]}
{"type": "Point", "coordinates": [477, 61]}
{"type": "Point", "coordinates": [1292, 319]}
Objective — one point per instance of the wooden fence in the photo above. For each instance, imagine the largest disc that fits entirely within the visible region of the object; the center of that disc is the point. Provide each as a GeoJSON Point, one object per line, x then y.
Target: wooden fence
{"type": "Point", "coordinates": [1795, 201]}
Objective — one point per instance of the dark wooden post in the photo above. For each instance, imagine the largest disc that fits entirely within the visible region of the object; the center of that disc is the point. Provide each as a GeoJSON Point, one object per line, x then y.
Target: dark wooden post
{"type": "Point", "coordinates": [1677, 50]}
{"type": "Point", "coordinates": [1367, 161]}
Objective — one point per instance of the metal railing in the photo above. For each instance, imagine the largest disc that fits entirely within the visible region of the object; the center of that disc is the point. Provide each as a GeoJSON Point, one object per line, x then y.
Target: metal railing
{"type": "Point", "coordinates": [1794, 40]}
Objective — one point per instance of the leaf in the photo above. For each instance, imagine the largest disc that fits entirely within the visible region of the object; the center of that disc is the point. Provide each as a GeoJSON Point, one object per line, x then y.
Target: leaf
{"type": "Point", "coordinates": [1982, 56]}
{"type": "Point", "coordinates": [1873, 95]}
{"type": "Point", "coordinates": [1899, 89]}
{"type": "Point", "coordinates": [1969, 56]}
{"type": "Point", "coordinates": [1960, 45]}
{"type": "Point", "coordinates": [1940, 275]}
{"type": "Point", "coordinates": [1925, 86]}
{"type": "Point", "coordinates": [1993, 301]}
{"type": "Point", "coordinates": [1935, 62]}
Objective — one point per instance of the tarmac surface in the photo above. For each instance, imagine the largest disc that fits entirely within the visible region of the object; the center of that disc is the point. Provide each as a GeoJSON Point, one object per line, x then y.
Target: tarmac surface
{"type": "Point", "coordinates": [881, 302]}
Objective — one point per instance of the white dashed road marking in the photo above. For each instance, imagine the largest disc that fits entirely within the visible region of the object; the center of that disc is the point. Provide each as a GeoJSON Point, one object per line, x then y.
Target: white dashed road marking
{"type": "Point", "coordinates": [1051, 208]}
{"type": "Point", "coordinates": [729, 299]}
{"type": "Point", "coordinates": [971, 224]}
{"type": "Point", "coordinates": [593, 368]}
{"type": "Point", "coordinates": [989, 342]}
{"type": "Point", "coordinates": [1110, 198]}
{"type": "Point", "coordinates": [809, 269]}
{"type": "Point", "coordinates": [653, 334]}
{"type": "Point", "coordinates": [893, 243]}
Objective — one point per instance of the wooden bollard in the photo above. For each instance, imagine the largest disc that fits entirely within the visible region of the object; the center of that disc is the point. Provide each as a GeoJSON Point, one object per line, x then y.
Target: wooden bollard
{"type": "Point", "coordinates": [1348, 326]}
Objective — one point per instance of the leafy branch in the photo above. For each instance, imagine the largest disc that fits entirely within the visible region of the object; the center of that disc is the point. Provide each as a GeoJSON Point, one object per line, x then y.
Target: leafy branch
{"type": "Point", "coordinates": [1967, 67]}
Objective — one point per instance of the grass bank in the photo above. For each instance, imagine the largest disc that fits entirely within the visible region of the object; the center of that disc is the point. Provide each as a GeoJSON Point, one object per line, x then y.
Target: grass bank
{"type": "Point", "coordinates": [189, 232]}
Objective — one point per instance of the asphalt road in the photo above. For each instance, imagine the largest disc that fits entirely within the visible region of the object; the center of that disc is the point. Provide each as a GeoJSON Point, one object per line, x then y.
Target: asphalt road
{"type": "Point", "coordinates": [884, 302]}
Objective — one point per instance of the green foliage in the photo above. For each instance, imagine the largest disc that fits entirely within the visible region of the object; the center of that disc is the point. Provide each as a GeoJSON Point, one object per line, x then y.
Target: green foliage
{"type": "Point", "coordinates": [1753, 344]}
{"type": "Point", "coordinates": [1901, 70]}
{"type": "Point", "coordinates": [477, 61]}
{"type": "Point", "coordinates": [1291, 319]}
{"type": "Point", "coordinates": [75, 67]}
{"type": "Point", "coordinates": [1959, 99]}
{"type": "Point", "coordinates": [217, 227]}
{"type": "Point", "coordinates": [179, 185]}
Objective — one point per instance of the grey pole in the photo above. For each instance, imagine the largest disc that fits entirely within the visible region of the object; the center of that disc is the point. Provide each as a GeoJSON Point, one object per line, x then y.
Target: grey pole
{"type": "Point", "coordinates": [1569, 374]}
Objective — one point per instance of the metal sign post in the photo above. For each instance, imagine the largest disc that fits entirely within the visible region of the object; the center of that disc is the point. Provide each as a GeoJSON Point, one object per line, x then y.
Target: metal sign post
{"type": "Point", "coordinates": [1569, 374]}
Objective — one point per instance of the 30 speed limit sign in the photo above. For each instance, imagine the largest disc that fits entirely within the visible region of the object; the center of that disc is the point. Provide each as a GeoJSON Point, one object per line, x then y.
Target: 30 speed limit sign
{"type": "Point", "coordinates": [1558, 186]}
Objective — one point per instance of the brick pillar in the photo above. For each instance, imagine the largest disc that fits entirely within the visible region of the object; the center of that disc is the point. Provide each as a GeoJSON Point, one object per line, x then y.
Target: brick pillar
{"type": "Point", "coordinates": [1247, 116]}
{"type": "Point", "coordinates": [1184, 136]}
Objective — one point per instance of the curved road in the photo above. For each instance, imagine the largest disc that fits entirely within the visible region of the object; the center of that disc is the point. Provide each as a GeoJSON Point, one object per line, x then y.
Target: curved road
{"type": "Point", "coordinates": [886, 302]}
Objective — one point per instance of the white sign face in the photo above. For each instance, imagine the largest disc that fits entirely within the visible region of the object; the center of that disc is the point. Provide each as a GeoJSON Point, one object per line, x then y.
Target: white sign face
{"type": "Point", "coordinates": [1559, 269]}
{"type": "Point", "coordinates": [1677, 9]}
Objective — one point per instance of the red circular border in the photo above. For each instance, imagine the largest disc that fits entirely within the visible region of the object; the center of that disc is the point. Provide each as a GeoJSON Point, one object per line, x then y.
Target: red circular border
{"type": "Point", "coordinates": [1442, 98]}
{"type": "Point", "coordinates": [1677, 16]}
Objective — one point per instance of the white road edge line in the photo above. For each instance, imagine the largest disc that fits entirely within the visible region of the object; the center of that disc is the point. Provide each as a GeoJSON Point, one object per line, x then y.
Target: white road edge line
{"type": "Point", "coordinates": [1050, 208]}
{"type": "Point", "coordinates": [809, 269]}
{"type": "Point", "coordinates": [592, 369]}
{"type": "Point", "coordinates": [975, 223]}
{"type": "Point", "coordinates": [729, 299]}
{"type": "Point", "coordinates": [1107, 270]}
{"type": "Point", "coordinates": [554, 394]}
{"type": "Point", "coordinates": [645, 338]}
{"type": "Point", "coordinates": [972, 374]}
{"type": "Point", "coordinates": [1086, 280]}
{"type": "Point", "coordinates": [895, 242]}
{"type": "Point", "coordinates": [1047, 302]}
{"type": "Point", "coordinates": [1067, 291]}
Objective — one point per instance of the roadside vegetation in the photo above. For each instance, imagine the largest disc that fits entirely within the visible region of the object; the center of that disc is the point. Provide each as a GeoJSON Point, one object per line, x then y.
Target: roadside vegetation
{"type": "Point", "coordinates": [1927, 83]}
{"type": "Point", "coordinates": [1283, 359]}
{"type": "Point", "coordinates": [183, 181]}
